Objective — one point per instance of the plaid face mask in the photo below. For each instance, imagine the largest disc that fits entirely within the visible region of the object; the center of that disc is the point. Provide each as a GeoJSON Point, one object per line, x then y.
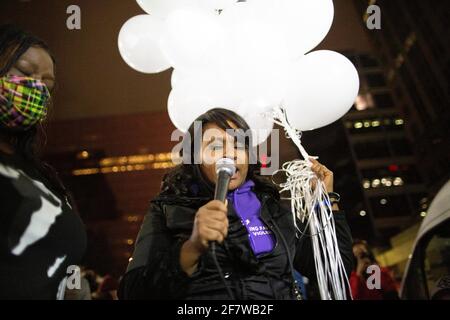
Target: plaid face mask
{"type": "Point", "coordinates": [23, 102]}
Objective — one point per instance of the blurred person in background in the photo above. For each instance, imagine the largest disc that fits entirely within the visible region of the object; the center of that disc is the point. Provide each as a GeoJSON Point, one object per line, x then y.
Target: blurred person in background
{"type": "Point", "coordinates": [441, 290]}
{"type": "Point", "coordinates": [84, 292]}
{"type": "Point", "coordinates": [358, 279]}
{"type": "Point", "coordinates": [107, 289]}
{"type": "Point", "coordinates": [91, 277]}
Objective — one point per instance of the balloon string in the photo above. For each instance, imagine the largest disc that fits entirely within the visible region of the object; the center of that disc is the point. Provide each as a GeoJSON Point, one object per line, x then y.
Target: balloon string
{"type": "Point", "coordinates": [280, 118]}
{"type": "Point", "coordinates": [310, 202]}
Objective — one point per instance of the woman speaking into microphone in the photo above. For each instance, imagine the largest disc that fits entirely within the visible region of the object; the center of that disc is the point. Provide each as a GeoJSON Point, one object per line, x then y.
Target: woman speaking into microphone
{"type": "Point", "coordinates": [255, 246]}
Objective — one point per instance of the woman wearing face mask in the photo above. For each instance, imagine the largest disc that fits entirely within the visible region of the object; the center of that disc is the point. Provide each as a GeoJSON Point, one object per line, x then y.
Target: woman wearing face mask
{"type": "Point", "coordinates": [40, 234]}
{"type": "Point", "coordinates": [257, 250]}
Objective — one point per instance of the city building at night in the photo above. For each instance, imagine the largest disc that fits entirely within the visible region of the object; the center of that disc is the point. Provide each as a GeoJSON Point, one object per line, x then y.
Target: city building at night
{"type": "Point", "coordinates": [413, 50]}
{"type": "Point", "coordinates": [394, 194]}
{"type": "Point", "coordinates": [415, 53]}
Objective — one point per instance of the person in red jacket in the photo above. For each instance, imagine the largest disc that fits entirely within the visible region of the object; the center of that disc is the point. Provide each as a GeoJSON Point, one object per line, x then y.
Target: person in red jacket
{"type": "Point", "coordinates": [362, 280]}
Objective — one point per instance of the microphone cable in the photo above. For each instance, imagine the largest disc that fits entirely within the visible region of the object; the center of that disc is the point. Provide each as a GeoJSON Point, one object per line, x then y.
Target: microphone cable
{"type": "Point", "coordinates": [219, 270]}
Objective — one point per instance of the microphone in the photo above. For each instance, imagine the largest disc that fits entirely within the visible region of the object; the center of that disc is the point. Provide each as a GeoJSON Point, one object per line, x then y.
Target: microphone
{"type": "Point", "coordinates": [225, 169]}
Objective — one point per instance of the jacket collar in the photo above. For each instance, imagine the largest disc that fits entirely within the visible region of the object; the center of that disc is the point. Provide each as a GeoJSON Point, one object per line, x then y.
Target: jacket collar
{"type": "Point", "coordinates": [180, 211]}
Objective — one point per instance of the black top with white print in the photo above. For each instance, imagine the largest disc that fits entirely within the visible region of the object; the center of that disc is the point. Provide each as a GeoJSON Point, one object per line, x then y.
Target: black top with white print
{"type": "Point", "coordinates": [41, 237]}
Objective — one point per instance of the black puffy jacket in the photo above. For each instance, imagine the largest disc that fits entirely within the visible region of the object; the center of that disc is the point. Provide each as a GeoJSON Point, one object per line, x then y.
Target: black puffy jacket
{"type": "Point", "coordinates": [155, 272]}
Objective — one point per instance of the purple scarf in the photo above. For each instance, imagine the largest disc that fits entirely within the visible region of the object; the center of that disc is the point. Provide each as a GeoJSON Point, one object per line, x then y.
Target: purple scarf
{"type": "Point", "coordinates": [248, 208]}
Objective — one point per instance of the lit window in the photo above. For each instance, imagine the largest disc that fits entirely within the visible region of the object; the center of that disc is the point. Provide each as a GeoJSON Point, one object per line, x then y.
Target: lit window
{"type": "Point", "coordinates": [366, 184]}
{"type": "Point", "coordinates": [376, 183]}
{"type": "Point", "coordinates": [83, 155]}
{"type": "Point", "coordinates": [375, 123]}
{"type": "Point", "coordinates": [398, 181]}
{"type": "Point", "coordinates": [387, 182]}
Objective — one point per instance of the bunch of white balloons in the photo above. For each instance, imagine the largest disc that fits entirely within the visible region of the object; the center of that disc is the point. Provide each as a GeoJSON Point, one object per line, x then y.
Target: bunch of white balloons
{"type": "Point", "coordinates": [246, 56]}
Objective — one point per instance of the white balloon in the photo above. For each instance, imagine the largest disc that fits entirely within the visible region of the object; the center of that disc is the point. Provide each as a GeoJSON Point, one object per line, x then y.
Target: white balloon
{"type": "Point", "coordinates": [259, 120]}
{"type": "Point", "coordinates": [217, 4]}
{"type": "Point", "coordinates": [139, 44]}
{"type": "Point", "coordinates": [205, 81]}
{"type": "Point", "coordinates": [255, 59]}
{"type": "Point", "coordinates": [305, 23]}
{"type": "Point", "coordinates": [162, 8]}
{"type": "Point", "coordinates": [201, 90]}
{"type": "Point", "coordinates": [322, 88]}
{"type": "Point", "coordinates": [193, 38]}
{"type": "Point", "coordinates": [175, 79]}
{"type": "Point", "coordinates": [185, 105]}
{"type": "Point", "coordinates": [254, 37]}
{"type": "Point", "coordinates": [260, 89]}
{"type": "Point", "coordinates": [234, 89]}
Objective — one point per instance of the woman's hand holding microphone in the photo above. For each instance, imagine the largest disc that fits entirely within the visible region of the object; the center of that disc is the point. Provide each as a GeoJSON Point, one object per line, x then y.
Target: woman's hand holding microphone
{"type": "Point", "coordinates": [210, 224]}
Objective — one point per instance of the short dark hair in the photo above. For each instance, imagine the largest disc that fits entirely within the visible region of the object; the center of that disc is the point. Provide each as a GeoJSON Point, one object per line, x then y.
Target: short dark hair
{"type": "Point", "coordinates": [370, 253]}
